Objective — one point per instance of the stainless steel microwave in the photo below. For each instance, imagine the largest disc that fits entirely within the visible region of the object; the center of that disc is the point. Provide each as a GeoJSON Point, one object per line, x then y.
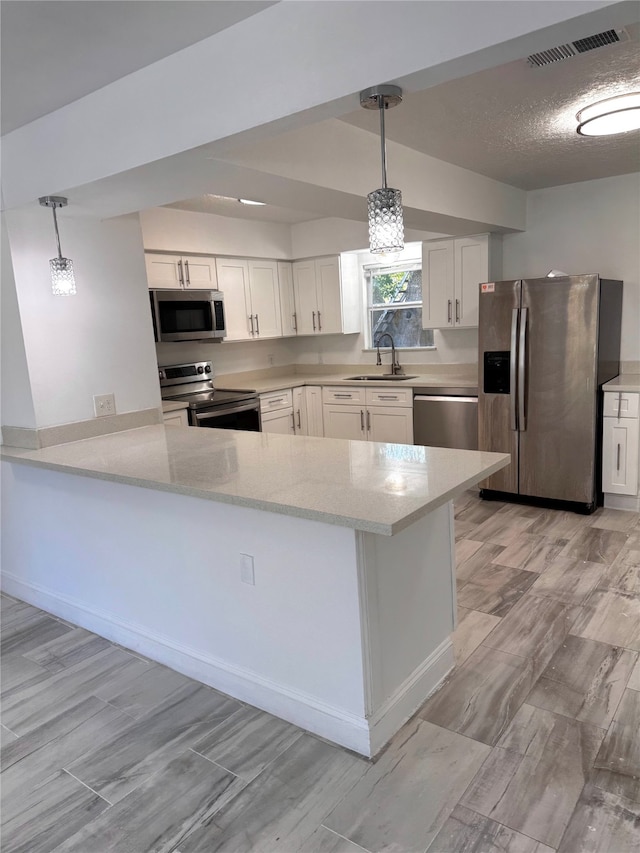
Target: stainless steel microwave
{"type": "Point", "coordinates": [179, 315]}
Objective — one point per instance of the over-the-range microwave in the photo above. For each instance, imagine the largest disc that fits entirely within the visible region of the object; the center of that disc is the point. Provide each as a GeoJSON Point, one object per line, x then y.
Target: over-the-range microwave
{"type": "Point", "coordinates": [180, 315]}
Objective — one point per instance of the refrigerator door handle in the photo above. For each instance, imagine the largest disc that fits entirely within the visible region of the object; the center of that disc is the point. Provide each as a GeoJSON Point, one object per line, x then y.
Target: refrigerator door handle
{"type": "Point", "coordinates": [513, 370]}
{"type": "Point", "coordinates": [522, 355]}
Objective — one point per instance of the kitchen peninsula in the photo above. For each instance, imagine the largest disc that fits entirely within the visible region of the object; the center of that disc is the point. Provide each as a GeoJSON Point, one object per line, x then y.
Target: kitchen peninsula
{"type": "Point", "coordinates": [311, 577]}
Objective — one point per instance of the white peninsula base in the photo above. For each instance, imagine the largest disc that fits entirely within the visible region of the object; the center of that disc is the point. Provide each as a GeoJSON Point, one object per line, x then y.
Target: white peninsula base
{"type": "Point", "coordinates": [344, 633]}
{"type": "Point", "coordinates": [310, 577]}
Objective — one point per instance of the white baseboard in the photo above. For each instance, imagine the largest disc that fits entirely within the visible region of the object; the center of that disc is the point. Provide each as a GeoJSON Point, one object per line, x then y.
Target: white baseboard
{"type": "Point", "coordinates": [628, 502]}
{"type": "Point", "coordinates": [363, 736]}
{"type": "Point", "coordinates": [302, 710]}
{"type": "Point", "coordinates": [415, 690]}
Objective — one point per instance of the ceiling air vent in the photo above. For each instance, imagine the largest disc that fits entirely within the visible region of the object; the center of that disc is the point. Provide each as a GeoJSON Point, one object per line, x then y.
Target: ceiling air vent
{"type": "Point", "coordinates": [573, 48]}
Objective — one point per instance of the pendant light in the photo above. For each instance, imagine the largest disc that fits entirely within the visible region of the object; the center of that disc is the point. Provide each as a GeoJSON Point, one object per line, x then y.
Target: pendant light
{"type": "Point", "coordinates": [618, 114]}
{"type": "Point", "coordinates": [63, 282]}
{"type": "Point", "coordinates": [386, 225]}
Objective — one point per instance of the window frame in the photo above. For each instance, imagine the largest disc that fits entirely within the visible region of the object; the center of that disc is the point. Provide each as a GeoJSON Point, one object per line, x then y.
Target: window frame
{"type": "Point", "coordinates": [369, 271]}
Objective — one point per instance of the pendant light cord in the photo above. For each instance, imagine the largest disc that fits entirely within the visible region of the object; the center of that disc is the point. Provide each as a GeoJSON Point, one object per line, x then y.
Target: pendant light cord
{"type": "Point", "coordinates": [383, 147]}
{"type": "Point", "coordinates": [55, 223]}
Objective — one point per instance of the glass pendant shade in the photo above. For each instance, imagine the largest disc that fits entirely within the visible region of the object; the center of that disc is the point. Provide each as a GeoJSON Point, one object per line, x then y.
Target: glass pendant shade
{"type": "Point", "coordinates": [63, 282]}
{"type": "Point", "coordinates": [386, 223]}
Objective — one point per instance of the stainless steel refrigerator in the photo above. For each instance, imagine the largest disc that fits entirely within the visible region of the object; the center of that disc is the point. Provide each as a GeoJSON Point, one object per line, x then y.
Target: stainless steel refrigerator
{"type": "Point", "coordinates": [546, 346]}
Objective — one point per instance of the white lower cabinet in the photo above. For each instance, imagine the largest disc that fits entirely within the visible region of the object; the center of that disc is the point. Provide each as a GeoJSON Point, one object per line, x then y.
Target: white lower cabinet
{"type": "Point", "coordinates": [276, 412]}
{"type": "Point", "coordinates": [620, 443]}
{"type": "Point", "coordinates": [177, 418]}
{"type": "Point", "coordinates": [307, 410]}
{"type": "Point", "coordinates": [369, 414]}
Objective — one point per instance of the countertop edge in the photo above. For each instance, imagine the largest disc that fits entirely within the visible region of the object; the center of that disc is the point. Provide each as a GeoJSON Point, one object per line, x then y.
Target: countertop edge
{"type": "Point", "coordinates": [629, 383]}
{"type": "Point", "coordinates": [24, 457]}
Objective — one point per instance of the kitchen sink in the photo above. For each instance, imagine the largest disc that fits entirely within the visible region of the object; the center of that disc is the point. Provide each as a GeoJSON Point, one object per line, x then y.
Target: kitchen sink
{"type": "Point", "coordinates": [385, 377]}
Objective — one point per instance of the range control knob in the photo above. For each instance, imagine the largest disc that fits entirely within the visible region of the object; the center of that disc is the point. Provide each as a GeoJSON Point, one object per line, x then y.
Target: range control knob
{"type": "Point", "coordinates": [207, 368]}
{"type": "Point", "coordinates": [201, 369]}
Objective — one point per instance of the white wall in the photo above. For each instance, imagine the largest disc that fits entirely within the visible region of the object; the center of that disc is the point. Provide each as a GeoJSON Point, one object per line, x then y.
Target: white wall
{"type": "Point", "coordinates": [16, 405]}
{"type": "Point", "coordinates": [99, 341]}
{"type": "Point", "coordinates": [592, 226]}
{"type": "Point", "coordinates": [176, 230]}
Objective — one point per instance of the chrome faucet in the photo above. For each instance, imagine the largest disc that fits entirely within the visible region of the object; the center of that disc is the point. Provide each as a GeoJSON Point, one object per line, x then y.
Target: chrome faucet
{"type": "Point", "coordinates": [395, 364]}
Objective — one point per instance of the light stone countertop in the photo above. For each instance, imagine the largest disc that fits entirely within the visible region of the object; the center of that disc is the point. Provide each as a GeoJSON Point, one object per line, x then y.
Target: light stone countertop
{"type": "Point", "coordinates": [173, 406]}
{"type": "Point", "coordinates": [626, 382]}
{"type": "Point", "coordinates": [265, 384]}
{"type": "Point", "coordinates": [368, 486]}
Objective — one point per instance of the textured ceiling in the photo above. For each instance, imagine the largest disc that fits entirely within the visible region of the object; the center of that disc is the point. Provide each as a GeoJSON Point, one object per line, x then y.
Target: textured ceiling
{"type": "Point", "coordinates": [516, 123]}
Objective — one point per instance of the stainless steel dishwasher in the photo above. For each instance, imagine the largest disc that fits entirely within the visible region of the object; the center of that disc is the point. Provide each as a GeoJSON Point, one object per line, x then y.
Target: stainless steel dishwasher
{"type": "Point", "coordinates": [446, 417]}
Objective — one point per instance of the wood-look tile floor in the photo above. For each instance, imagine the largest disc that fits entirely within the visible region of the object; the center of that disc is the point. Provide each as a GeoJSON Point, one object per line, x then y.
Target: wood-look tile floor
{"type": "Point", "coordinates": [531, 746]}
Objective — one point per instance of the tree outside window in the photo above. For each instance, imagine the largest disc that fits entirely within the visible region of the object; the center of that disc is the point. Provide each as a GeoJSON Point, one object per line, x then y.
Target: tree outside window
{"type": "Point", "coordinates": [394, 300]}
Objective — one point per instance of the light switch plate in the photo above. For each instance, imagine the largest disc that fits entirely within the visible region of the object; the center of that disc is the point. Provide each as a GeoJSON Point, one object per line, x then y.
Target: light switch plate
{"type": "Point", "coordinates": [247, 572]}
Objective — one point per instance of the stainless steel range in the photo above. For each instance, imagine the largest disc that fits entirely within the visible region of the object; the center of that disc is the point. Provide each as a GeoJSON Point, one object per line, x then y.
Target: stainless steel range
{"type": "Point", "coordinates": [193, 384]}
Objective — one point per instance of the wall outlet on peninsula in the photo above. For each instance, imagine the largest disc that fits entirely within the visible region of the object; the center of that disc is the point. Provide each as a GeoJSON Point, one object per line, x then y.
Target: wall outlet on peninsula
{"type": "Point", "coordinates": [104, 404]}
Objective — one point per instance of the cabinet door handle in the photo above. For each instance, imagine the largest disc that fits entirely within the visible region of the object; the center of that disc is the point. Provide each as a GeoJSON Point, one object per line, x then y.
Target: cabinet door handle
{"type": "Point", "coordinates": [186, 270]}
{"type": "Point", "coordinates": [294, 317]}
{"type": "Point", "coordinates": [457, 310]}
{"type": "Point", "coordinates": [180, 274]}
{"type": "Point", "coordinates": [314, 320]}
{"type": "Point", "coordinates": [368, 421]}
{"type": "Point", "coordinates": [448, 310]}
{"type": "Point", "coordinates": [251, 320]}
{"type": "Point", "coordinates": [361, 421]}
{"type": "Point", "coordinates": [299, 424]}
{"type": "Point", "coordinates": [619, 405]}
{"type": "Point", "coordinates": [293, 423]}
{"type": "Point", "coordinates": [618, 459]}
{"type": "Point", "coordinates": [257, 325]}
{"type": "Point", "coordinates": [319, 322]}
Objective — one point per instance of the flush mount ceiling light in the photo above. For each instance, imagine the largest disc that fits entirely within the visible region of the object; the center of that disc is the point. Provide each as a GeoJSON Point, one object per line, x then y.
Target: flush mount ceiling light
{"type": "Point", "coordinates": [63, 282]}
{"type": "Point", "coordinates": [611, 115]}
{"type": "Point", "coordinates": [386, 223]}
{"type": "Point", "coordinates": [248, 201]}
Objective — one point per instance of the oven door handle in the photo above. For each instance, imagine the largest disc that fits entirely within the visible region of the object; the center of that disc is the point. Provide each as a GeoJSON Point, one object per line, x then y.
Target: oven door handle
{"type": "Point", "coordinates": [225, 410]}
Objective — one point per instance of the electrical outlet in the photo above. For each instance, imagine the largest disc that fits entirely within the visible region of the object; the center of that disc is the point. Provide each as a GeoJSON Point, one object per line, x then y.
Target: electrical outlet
{"type": "Point", "coordinates": [104, 404]}
{"type": "Point", "coordinates": [270, 359]}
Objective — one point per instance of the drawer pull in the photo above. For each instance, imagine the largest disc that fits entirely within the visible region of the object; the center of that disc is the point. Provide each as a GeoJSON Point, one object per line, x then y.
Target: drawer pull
{"type": "Point", "coordinates": [344, 396]}
{"type": "Point", "coordinates": [388, 397]}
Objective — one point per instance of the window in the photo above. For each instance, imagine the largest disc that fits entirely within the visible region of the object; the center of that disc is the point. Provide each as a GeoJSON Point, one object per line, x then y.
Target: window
{"type": "Point", "coordinates": [394, 305]}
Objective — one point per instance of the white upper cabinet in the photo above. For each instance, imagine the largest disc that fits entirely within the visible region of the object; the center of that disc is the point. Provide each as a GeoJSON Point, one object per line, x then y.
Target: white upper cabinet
{"type": "Point", "coordinates": [452, 269]}
{"type": "Point", "coordinates": [264, 294]}
{"type": "Point", "coordinates": [251, 298]}
{"type": "Point", "coordinates": [326, 295]}
{"type": "Point", "coordinates": [287, 300]}
{"type": "Point", "coordinates": [180, 272]}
